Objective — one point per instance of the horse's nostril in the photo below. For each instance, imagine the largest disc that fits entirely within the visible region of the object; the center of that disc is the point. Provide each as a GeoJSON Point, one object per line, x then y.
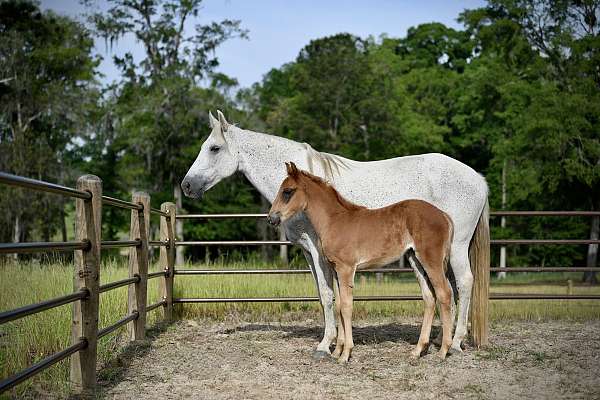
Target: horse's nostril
{"type": "Point", "coordinates": [187, 185]}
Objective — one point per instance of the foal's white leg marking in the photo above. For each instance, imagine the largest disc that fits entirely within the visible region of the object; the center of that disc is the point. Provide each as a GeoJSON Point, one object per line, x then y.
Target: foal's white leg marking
{"type": "Point", "coordinates": [459, 260]}
{"type": "Point", "coordinates": [324, 277]}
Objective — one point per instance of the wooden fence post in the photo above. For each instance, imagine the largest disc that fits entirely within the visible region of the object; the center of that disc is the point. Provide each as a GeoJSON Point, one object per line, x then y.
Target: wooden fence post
{"type": "Point", "coordinates": [88, 224]}
{"type": "Point", "coordinates": [138, 265]}
{"type": "Point", "coordinates": [167, 257]}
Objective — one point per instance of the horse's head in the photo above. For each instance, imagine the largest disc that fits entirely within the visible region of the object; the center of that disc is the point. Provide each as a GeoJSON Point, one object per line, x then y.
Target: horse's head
{"type": "Point", "coordinates": [216, 160]}
{"type": "Point", "coordinates": [291, 197]}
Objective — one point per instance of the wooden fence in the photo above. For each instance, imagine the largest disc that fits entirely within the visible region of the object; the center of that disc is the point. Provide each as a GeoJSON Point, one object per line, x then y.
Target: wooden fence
{"type": "Point", "coordinates": [88, 248]}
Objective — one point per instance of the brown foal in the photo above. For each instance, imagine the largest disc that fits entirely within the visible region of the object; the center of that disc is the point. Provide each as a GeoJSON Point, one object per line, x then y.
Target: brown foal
{"type": "Point", "coordinates": [355, 237]}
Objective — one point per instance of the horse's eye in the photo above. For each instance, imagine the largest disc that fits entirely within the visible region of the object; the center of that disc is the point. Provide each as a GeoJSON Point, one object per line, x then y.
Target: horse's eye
{"type": "Point", "coordinates": [215, 149]}
{"type": "Point", "coordinates": [288, 193]}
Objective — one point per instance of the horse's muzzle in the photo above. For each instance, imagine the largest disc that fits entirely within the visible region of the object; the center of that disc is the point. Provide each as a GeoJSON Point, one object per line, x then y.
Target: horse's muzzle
{"type": "Point", "coordinates": [192, 190]}
{"type": "Point", "coordinates": [274, 218]}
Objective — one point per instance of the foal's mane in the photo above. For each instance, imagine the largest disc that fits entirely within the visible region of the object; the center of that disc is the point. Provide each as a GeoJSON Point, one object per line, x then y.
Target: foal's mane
{"type": "Point", "coordinates": [348, 205]}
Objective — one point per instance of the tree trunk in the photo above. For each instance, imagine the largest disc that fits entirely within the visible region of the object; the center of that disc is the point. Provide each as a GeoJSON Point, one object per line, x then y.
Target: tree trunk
{"type": "Point", "coordinates": [592, 255]}
{"type": "Point", "coordinates": [502, 275]}
{"type": "Point", "coordinates": [179, 258]}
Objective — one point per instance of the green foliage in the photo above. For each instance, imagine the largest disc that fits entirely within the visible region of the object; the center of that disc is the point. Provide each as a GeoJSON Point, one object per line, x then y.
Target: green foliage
{"type": "Point", "coordinates": [47, 74]}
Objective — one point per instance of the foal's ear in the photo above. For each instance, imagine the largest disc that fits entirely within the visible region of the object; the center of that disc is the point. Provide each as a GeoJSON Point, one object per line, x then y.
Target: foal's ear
{"type": "Point", "coordinates": [292, 170]}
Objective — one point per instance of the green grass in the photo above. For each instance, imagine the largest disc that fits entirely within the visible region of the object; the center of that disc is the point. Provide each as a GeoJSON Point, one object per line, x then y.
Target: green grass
{"type": "Point", "coordinates": [30, 339]}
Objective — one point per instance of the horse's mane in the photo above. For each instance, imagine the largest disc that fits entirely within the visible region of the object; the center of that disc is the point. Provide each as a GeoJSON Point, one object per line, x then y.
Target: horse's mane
{"type": "Point", "coordinates": [327, 186]}
{"type": "Point", "coordinates": [331, 164]}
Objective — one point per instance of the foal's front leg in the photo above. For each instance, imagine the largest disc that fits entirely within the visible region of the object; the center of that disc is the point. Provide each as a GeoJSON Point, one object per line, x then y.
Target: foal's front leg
{"type": "Point", "coordinates": [346, 282]}
{"type": "Point", "coordinates": [339, 345]}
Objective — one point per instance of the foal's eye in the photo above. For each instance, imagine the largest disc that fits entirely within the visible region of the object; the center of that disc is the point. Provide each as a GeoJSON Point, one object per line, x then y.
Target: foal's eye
{"type": "Point", "coordinates": [287, 194]}
{"type": "Point", "coordinates": [215, 149]}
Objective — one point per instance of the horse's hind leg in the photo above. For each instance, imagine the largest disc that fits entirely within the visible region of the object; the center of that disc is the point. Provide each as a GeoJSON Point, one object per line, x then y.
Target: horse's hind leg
{"type": "Point", "coordinates": [461, 266]}
{"type": "Point", "coordinates": [323, 275]}
{"type": "Point", "coordinates": [429, 299]}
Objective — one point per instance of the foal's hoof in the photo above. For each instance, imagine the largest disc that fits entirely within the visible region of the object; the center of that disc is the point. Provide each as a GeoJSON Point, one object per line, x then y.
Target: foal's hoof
{"type": "Point", "coordinates": [320, 355]}
{"type": "Point", "coordinates": [416, 354]}
{"type": "Point", "coordinates": [455, 350]}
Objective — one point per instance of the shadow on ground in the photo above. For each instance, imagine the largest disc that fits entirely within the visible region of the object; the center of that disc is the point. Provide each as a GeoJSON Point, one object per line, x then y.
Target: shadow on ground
{"type": "Point", "coordinates": [114, 371]}
{"type": "Point", "coordinates": [372, 334]}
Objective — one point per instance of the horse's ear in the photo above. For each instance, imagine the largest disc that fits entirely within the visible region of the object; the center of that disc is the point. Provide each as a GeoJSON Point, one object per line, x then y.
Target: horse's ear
{"type": "Point", "coordinates": [223, 121]}
{"type": "Point", "coordinates": [288, 168]}
{"type": "Point", "coordinates": [212, 121]}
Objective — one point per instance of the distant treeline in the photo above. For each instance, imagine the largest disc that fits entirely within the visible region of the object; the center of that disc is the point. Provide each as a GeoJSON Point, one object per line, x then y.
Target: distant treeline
{"type": "Point", "coordinates": [515, 95]}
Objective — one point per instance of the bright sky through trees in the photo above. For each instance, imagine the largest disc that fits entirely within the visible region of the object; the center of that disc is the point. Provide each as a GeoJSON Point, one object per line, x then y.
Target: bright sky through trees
{"type": "Point", "coordinates": [279, 29]}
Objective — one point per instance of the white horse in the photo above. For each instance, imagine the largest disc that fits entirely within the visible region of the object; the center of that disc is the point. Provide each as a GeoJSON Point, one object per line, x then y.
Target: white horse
{"type": "Point", "coordinates": [443, 181]}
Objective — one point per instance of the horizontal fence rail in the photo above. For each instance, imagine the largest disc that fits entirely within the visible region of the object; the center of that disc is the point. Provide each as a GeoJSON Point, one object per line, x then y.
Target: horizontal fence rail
{"type": "Point", "coordinates": [21, 312]}
{"type": "Point", "coordinates": [111, 328]}
{"type": "Point", "coordinates": [117, 284]}
{"type": "Point", "coordinates": [498, 296]}
{"type": "Point", "coordinates": [34, 247]}
{"type": "Point", "coordinates": [111, 201]}
{"type": "Point", "coordinates": [41, 365]}
{"type": "Point", "coordinates": [375, 270]}
{"type": "Point", "coordinates": [160, 212]}
{"type": "Point", "coordinates": [15, 180]}
{"type": "Point", "coordinates": [544, 213]}
{"type": "Point", "coordinates": [156, 305]}
{"type": "Point", "coordinates": [287, 242]}
{"type": "Point", "coordinates": [114, 244]}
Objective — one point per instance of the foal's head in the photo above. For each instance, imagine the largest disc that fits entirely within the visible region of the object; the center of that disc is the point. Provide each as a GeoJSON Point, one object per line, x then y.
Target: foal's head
{"type": "Point", "coordinates": [291, 197]}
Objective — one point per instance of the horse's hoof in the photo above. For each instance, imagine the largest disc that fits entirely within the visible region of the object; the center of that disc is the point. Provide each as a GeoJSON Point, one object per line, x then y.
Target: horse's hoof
{"type": "Point", "coordinates": [455, 350]}
{"type": "Point", "coordinates": [320, 355]}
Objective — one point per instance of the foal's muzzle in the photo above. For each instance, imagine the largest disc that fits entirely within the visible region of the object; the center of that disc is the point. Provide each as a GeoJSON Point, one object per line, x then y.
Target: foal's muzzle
{"type": "Point", "coordinates": [274, 218]}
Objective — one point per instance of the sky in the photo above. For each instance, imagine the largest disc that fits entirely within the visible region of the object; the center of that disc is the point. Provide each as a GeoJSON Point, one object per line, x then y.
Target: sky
{"type": "Point", "coordinates": [278, 30]}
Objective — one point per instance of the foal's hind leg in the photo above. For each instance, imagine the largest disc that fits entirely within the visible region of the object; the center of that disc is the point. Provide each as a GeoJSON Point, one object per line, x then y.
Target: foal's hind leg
{"type": "Point", "coordinates": [438, 339]}
{"type": "Point", "coordinates": [432, 261]}
{"type": "Point", "coordinates": [429, 299]}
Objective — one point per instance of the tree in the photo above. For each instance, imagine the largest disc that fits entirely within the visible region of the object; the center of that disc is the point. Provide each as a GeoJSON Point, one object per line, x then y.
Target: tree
{"type": "Point", "coordinates": [46, 74]}
{"type": "Point", "coordinates": [160, 108]}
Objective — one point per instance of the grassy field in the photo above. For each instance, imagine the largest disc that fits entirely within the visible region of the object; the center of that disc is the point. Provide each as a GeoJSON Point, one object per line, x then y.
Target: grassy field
{"type": "Point", "coordinates": [28, 340]}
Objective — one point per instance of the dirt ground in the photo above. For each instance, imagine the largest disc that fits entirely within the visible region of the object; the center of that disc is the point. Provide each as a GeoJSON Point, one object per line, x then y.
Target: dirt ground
{"type": "Point", "coordinates": [239, 360]}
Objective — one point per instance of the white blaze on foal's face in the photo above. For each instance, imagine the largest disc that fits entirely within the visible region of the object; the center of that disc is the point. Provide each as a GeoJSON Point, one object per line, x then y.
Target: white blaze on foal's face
{"type": "Point", "coordinates": [216, 160]}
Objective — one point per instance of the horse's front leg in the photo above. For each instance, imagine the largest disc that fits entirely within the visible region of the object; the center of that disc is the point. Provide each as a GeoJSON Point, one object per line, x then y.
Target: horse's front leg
{"type": "Point", "coordinates": [324, 279]}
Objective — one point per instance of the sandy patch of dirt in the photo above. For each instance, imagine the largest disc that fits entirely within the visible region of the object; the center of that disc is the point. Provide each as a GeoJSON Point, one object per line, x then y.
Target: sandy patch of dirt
{"type": "Point", "coordinates": [239, 360]}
